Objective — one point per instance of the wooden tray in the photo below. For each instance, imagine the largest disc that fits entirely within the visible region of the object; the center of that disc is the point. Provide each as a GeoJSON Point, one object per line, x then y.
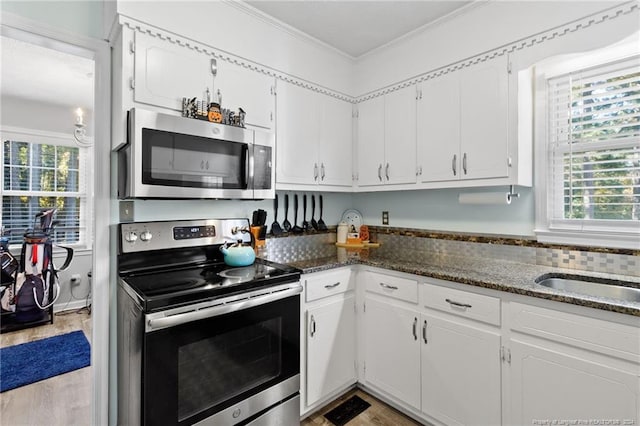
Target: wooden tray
{"type": "Point", "coordinates": [364, 244]}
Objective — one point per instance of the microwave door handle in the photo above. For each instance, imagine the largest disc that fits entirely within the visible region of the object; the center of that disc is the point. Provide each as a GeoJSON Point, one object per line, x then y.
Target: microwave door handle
{"type": "Point", "coordinates": [248, 176]}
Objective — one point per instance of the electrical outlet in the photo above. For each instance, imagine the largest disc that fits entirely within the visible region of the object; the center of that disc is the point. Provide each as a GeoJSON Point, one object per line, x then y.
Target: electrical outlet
{"type": "Point", "coordinates": [385, 218]}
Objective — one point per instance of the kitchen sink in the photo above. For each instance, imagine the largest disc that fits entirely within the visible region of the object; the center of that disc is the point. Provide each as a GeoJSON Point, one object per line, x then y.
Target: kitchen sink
{"type": "Point", "coordinates": [592, 286]}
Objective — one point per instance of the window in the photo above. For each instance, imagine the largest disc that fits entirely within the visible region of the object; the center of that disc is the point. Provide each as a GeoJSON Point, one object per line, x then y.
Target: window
{"type": "Point", "coordinates": [589, 167]}
{"type": "Point", "coordinates": [42, 172]}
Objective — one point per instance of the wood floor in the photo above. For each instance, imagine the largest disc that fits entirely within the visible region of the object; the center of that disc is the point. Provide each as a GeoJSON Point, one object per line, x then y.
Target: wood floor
{"type": "Point", "coordinates": [379, 413]}
{"type": "Point", "coordinates": [61, 400]}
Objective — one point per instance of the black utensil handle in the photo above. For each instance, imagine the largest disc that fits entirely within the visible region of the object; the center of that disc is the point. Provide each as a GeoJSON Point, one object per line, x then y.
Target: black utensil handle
{"type": "Point", "coordinates": [304, 206]}
{"type": "Point", "coordinates": [295, 209]}
{"type": "Point", "coordinates": [275, 208]}
{"type": "Point", "coordinates": [286, 205]}
{"type": "Point", "coordinates": [313, 206]}
{"type": "Point", "coordinates": [321, 207]}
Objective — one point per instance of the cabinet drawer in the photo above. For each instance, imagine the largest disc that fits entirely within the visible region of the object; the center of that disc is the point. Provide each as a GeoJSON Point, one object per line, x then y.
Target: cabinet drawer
{"type": "Point", "coordinates": [326, 284]}
{"type": "Point", "coordinates": [598, 335]}
{"type": "Point", "coordinates": [469, 305]}
{"type": "Point", "coordinates": [396, 287]}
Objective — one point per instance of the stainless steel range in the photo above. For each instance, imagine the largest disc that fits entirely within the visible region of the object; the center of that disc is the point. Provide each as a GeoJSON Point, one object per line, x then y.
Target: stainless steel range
{"type": "Point", "coordinates": [200, 342]}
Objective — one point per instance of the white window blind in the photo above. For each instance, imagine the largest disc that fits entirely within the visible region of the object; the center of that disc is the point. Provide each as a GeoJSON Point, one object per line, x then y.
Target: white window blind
{"type": "Point", "coordinates": [39, 176]}
{"type": "Point", "coordinates": [594, 147]}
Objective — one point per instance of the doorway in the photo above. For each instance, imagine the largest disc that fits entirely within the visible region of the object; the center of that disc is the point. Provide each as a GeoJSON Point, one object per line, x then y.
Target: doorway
{"type": "Point", "coordinates": [57, 81]}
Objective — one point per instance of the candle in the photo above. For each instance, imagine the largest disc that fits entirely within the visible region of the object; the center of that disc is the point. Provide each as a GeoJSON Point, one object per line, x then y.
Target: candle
{"type": "Point", "coordinates": [79, 116]}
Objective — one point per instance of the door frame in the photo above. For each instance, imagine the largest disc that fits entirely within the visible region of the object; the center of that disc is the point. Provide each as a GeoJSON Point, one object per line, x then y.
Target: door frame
{"type": "Point", "coordinates": [23, 29]}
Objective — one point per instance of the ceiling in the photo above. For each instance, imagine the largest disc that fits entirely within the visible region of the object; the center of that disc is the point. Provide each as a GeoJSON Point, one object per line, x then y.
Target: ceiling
{"type": "Point", "coordinates": [35, 73]}
{"type": "Point", "coordinates": [357, 27]}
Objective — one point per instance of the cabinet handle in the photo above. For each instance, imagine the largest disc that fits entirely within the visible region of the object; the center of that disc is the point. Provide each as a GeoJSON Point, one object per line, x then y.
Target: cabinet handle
{"type": "Point", "coordinates": [330, 286]}
{"type": "Point", "coordinates": [388, 287]}
{"type": "Point", "coordinates": [424, 332]}
{"type": "Point", "coordinates": [315, 171]}
{"type": "Point", "coordinates": [380, 172]}
{"type": "Point", "coordinates": [453, 164]}
{"type": "Point", "coordinates": [386, 171]}
{"type": "Point", "coordinates": [312, 326]}
{"type": "Point", "coordinates": [206, 166]}
{"type": "Point", "coordinates": [415, 326]}
{"type": "Point", "coordinates": [322, 171]}
{"type": "Point", "coordinates": [202, 165]}
{"type": "Point", "coordinates": [454, 303]}
{"type": "Point", "coordinates": [464, 163]}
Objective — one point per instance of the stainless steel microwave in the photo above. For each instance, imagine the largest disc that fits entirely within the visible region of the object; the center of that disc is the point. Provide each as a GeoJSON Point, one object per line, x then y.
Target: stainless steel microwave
{"type": "Point", "coordinates": [168, 156]}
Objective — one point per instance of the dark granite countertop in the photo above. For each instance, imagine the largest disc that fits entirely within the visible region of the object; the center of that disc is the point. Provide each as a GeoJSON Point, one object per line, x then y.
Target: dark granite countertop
{"type": "Point", "coordinates": [494, 274]}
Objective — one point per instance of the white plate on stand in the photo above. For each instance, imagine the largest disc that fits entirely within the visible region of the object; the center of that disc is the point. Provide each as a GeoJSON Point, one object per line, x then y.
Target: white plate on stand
{"type": "Point", "coordinates": [352, 217]}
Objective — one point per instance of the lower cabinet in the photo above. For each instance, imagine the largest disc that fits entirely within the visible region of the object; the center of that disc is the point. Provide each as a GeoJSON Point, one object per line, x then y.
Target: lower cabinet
{"type": "Point", "coordinates": [328, 328]}
{"type": "Point", "coordinates": [460, 372]}
{"type": "Point", "coordinates": [566, 367]}
{"type": "Point", "coordinates": [392, 350]}
{"type": "Point", "coordinates": [331, 348]}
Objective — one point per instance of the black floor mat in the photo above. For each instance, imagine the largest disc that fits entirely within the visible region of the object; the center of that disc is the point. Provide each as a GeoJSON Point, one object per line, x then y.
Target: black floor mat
{"type": "Point", "coordinates": [346, 411]}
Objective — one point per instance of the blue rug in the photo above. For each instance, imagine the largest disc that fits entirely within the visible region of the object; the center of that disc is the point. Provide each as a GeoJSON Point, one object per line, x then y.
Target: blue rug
{"type": "Point", "coordinates": [34, 361]}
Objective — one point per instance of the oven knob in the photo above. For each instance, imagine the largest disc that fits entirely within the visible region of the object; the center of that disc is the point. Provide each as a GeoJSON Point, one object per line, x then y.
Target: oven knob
{"type": "Point", "coordinates": [146, 236]}
{"type": "Point", "coordinates": [130, 237]}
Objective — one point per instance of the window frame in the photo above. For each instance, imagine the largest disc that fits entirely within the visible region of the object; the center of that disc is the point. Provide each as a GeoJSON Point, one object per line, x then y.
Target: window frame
{"type": "Point", "coordinates": [548, 229]}
{"type": "Point", "coordinates": [85, 177]}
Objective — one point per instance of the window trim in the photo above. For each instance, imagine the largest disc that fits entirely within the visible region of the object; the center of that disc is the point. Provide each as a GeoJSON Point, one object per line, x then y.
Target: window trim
{"type": "Point", "coordinates": [598, 233]}
{"type": "Point", "coordinates": [86, 154]}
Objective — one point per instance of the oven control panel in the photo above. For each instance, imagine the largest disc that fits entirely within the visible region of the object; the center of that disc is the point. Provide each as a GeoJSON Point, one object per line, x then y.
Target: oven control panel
{"type": "Point", "coordinates": [146, 236]}
{"type": "Point", "coordinates": [187, 232]}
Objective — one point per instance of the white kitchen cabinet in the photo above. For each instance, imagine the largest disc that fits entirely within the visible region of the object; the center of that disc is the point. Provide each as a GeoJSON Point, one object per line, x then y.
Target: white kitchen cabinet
{"type": "Point", "coordinates": [463, 124]}
{"type": "Point", "coordinates": [370, 142]}
{"type": "Point", "coordinates": [314, 133]}
{"type": "Point", "coordinates": [297, 135]}
{"type": "Point", "coordinates": [387, 139]}
{"type": "Point", "coordinates": [392, 349]}
{"type": "Point", "coordinates": [564, 366]}
{"type": "Point", "coordinates": [251, 90]}
{"type": "Point", "coordinates": [460, 372]}
{"type": "Point", "coordinates": [165, 72]}
{"type": "Point", "coordinates": [328, 340]}
{"type": "Point", "coordinates": [438, 129]}
{"type": "Point", "coordinates": [331, 348]}
{"type": "Point", "coordinates": [460, 355]}
{"type": "Point", "coordinates": [548, 383]}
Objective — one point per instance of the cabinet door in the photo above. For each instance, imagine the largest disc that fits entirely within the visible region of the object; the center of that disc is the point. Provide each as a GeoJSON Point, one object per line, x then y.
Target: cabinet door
{"type": "Point", "coordinates": [438, 125]}
{"type": "Point", "coordinates": [392, 350]}
{"type": "Point", "coordinates": [460, 373]}
{"type": "Point", "coordinates": [331, 348]}
{"type": "Point", "coordinates": [335, 152]}
{"type": "Point", "coordinates": [250, 90]}
{"type": "Point", "coordinates": [484, 120]}
{"type": "Point", "coordinates": [165, 72]}
{"type": "Point", "coordinates": [297, 135]}
{"type": "Point", "coordinates": [400, 136]}
{"type": "Point", "coordinates": [548, 383]}
{"type": "Point", "coordinates": [371, 142]}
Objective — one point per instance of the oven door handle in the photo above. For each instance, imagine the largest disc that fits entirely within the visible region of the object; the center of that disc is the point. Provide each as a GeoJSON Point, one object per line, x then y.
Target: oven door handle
{"type": "Point", "coordinates": [154, 324]}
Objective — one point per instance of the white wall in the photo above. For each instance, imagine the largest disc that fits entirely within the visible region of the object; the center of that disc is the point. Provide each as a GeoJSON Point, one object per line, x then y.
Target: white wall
{"type": "Point", "coordinates": [46, 117]}
{"type": "Point", "coordinates": [84, 17]}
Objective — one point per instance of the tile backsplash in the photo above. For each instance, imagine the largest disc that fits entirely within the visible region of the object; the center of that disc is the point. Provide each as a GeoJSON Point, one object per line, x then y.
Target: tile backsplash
{"type": "Point", "coordinates": [294, 248]}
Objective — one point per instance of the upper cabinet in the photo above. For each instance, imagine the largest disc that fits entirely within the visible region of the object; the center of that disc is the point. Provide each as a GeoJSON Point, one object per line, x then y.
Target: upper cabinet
{"type": "Point", "coordinates": [463, 124]}
{"type": "Point", "coordinates": [387, 139]}
{"type": "Point", "coordinates": [165, 72]}
{"type": "Point", "coordinates": [313, 136]}
{"type": "Point", "coordinates": [250, 90]}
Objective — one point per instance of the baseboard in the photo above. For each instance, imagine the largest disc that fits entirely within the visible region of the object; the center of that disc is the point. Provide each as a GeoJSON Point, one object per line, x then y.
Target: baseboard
{"type": "Point", "coordinates": [72, 305]}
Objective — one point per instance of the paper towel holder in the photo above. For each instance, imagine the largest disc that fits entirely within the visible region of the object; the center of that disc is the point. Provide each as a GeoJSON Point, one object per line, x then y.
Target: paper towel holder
{"type": "Point", "coordinates": [512, 194]}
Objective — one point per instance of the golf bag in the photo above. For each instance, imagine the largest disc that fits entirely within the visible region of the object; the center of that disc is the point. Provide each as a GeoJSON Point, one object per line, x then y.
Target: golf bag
{"type": "Point", "coordinates": [36, 287]}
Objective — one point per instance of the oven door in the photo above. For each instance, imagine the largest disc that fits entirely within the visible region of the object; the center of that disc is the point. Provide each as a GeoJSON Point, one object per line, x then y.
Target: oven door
{"type": "Point", "coordinates": [176, 157]}
{"type": "Point", "coordinates": [227, 366]}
